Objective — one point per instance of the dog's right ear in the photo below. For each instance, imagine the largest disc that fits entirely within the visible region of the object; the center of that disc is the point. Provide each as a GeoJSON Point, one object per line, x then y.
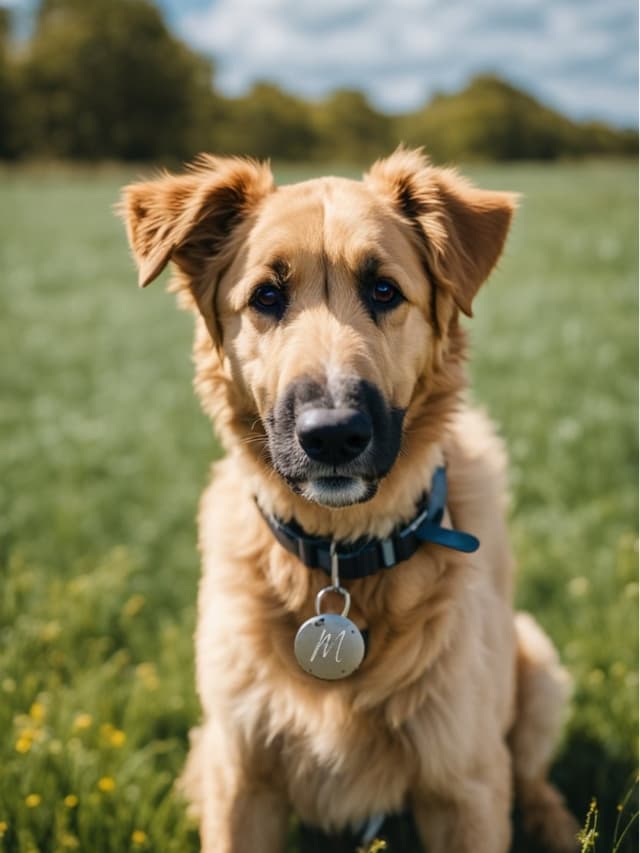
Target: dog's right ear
{"type": "Point", "coordinates": [189, 218]}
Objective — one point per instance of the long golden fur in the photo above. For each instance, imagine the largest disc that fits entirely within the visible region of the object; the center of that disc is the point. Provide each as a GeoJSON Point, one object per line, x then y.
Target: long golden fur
{"type": "Point", "coordinates": [459, 700]}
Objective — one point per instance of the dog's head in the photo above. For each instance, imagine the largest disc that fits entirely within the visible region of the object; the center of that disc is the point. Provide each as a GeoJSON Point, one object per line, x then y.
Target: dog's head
{"type": "Point", "coordinates": [332, 304]}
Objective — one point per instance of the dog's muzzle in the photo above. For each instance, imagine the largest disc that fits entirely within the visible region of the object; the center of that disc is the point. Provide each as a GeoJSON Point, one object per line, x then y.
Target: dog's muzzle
{"type": "Point", "coordinates": [333, 446]}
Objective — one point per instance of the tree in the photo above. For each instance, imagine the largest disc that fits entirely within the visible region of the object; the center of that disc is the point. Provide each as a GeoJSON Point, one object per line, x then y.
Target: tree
{"type": "Point", "coordinates": [106, 79]}
{"type": "Point", "coordinates": [8, 92]}
{"type": "Point", "coordinates": [350, 129]}
{"type": "Point", "coordinates": [492, 120]}
{"type": "Point", "coordinates": [266, 122]}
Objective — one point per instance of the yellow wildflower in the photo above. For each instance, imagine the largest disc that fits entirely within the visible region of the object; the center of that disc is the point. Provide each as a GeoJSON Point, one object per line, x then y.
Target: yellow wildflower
{"type": "Point", "coordinates": [588, 834]}
{"type": "Point", "coordinates": [134, 605]}
{"type": "Point", "coordinates": [32, 801]}
{"type": "Point", "coordinates": [113, 736]}
{"type": "Point", "coordinates": [106, 784]}
{"type": "Point", "coordinates": [4, 826]}
{"type": "Point", "coordinates": [70, 841]}
{"type": "Point", "coordinates": [70, 801]}
{"type": "Point", "coordinates": [27, 731]}
{"type": "Point", "coordinates": [37, 712]}
{"type": "Point", "coordinates": [82, 721]}
{"type": "Point", "coordinates": [117, 738]}
{"type": "Point", "coordinates": [23, 744]}
{"type": "Point", "coordinates": [375, 847]}
{"type": "Point", "coordinates": [139, 837]}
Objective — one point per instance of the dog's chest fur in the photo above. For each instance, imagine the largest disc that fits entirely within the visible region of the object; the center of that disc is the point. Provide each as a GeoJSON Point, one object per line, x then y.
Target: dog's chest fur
{"type": "Point", "coordinates": [410, 719]}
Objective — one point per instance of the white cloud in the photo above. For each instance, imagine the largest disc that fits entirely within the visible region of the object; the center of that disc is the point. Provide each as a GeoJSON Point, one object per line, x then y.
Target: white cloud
{"type": "Point", "coordinates": [575, 53]}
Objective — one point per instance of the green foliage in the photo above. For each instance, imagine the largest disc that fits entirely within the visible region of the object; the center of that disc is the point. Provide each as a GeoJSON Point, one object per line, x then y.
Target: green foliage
{"type": "Point", "coordinates": [104, 453]}
{"type": "Point", "coordinates": [349, 129]}
{"type": "Point", "coordinates": [491, 120]}
{"type": "Point", "coordinates": [625, 822]}
{"type": "Point", "coordinates": [106, 79]}
{"type": "Point", "coordinates": [94, 733]}
{"type": "Point", "coordinates": [8, 91]}
{"type": "Point", "coordinates": [264, 123]}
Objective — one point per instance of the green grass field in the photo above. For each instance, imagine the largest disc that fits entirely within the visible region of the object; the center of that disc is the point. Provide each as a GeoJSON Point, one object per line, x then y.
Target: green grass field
{"type": "Point", "coordinates": [103, 452]}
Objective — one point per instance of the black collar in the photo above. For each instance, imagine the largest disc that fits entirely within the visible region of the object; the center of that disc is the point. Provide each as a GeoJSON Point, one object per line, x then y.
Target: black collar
{"type": "Point", "coordinates": [367, 556]}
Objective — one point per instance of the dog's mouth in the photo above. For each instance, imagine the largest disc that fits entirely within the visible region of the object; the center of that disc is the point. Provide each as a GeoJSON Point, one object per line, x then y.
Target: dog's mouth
{"type": "Point", "coordinates": [337, 491]}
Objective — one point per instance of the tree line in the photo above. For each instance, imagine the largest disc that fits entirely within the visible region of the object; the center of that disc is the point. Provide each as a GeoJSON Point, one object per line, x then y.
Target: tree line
{"type": "Point", "coordinates": [108, 80]}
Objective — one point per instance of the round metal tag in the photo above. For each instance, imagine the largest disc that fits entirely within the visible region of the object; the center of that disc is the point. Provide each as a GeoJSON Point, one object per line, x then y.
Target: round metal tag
{"type": "Point", "coordinates": [329, 646]}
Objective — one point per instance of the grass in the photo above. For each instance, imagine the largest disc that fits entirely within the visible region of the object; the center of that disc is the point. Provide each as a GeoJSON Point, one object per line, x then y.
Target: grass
{"type": "Point", "coordinates": [104, 452]}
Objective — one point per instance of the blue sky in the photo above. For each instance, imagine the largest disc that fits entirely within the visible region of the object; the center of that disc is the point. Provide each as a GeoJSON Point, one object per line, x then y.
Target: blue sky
{"type": "Point", "coordinates": [577, 55]}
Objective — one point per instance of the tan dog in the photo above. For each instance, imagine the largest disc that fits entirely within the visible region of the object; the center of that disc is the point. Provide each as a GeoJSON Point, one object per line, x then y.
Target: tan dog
{"type": "Point", "coordinates": [329, 354]}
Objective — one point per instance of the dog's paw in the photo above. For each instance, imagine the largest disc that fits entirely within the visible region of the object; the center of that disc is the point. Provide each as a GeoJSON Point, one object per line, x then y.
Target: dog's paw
{"type": "Point", "coordinates": [547, 818]}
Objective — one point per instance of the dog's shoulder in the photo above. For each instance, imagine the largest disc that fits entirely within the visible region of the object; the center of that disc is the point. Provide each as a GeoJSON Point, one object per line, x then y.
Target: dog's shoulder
{"type": "Point", "coordinates": [228, 520]}
{"type": "Point", "coordinates": [478, 496]}
{"type": "Point", "coordinates": [476, 454]}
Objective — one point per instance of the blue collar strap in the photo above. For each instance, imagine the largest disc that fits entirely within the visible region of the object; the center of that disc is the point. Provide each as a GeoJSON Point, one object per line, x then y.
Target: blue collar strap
{"type": "Point", "coordinates": [367, 556]}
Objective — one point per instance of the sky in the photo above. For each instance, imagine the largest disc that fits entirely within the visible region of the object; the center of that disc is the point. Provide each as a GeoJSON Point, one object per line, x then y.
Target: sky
{"type": "Point", "coordinates": [578, 56]}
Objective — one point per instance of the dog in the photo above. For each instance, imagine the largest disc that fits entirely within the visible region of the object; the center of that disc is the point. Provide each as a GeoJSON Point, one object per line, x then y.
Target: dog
{"type": "Point", "coordinates": [359, 485]}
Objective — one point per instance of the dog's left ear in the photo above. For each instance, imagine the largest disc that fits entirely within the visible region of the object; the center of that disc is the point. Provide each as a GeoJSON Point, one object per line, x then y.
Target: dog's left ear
{"type": "Point", "coordinates": [461, 229]}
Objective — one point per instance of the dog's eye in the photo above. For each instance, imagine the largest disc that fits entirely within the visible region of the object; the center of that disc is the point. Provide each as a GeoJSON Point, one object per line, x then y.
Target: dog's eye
{"type": "Point", "coordinates": [269, 299]}
{"type": "Point", "coordinates": [384, 294]}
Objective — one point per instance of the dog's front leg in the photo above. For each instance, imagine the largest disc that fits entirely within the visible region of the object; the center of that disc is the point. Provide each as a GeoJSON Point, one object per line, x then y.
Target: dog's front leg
{"type": "Point", "coordinates": [474, 816]}
{"type": "Point", "coordinates": [243, 806]}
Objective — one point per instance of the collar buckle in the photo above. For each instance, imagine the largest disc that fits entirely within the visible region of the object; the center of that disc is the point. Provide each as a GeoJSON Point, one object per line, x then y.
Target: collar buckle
{"type": "Point", "coordinates": [388, 553]}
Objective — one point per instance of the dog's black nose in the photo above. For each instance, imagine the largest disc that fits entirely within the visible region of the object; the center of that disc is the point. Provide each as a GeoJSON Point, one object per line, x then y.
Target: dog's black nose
{"type": "Point", "coordinates": [333, 436]}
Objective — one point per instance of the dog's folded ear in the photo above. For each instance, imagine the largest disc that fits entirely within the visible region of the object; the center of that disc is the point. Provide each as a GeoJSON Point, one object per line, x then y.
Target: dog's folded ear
{"type": "Point", "coordinates": [189, 218]}
{"type": "Point", "coordinates": [460, 229]}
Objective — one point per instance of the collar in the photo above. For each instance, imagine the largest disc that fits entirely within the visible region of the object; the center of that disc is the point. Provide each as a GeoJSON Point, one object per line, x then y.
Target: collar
{"type": "Point", "coordinates": [368, 556]}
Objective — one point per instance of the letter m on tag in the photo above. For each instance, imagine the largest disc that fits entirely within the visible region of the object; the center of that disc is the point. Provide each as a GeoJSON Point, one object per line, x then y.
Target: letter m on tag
{"type": "Point", "coordinates": [329, 644]}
